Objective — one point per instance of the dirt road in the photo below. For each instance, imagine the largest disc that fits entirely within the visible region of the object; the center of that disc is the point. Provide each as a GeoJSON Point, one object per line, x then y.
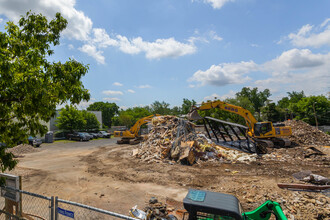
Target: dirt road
{"type": "Point", "coordinates": [105, 175]}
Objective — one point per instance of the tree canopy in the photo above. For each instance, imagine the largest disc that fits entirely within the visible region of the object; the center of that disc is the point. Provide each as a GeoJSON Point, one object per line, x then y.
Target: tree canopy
{"type": "Point", "coordinates": [258, 99]}
{"type": "Point", "coordinates": [70, 119]}
{"type": "Point", "coordinates": [31, 86]}
{"type": "Point", "coordinates": [109, 110]}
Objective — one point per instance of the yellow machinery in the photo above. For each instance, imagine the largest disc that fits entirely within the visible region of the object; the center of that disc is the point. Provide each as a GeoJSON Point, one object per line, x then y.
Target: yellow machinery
{"type": "Point", "coordinates": [265, 134]}
{"type": "Point", "coordinates": [132, 135]}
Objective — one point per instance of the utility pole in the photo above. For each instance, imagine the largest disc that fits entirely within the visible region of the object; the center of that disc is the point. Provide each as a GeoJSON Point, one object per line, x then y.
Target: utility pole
{"type": "Point", "coordinates": [315, 115]}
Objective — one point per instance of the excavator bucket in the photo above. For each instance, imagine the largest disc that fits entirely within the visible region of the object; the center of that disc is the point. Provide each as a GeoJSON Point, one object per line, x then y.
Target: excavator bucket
{"type": "Point", "coordinates": [193, 115]}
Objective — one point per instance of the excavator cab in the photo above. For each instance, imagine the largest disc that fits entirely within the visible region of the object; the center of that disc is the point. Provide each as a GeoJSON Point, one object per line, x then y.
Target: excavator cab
{"type": "Point", "coordinates": [263, 128]}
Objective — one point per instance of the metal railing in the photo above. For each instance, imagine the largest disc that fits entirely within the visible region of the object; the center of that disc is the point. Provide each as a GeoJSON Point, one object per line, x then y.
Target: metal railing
{"type": "Point", "coordinates": [71, 210]}
{"type": "Point", "coordinates": [35, 206]}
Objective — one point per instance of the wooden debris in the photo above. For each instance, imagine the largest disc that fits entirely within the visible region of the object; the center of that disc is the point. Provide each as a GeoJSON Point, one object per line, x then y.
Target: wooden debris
{"type": "Point", "coordinates": [173, 138]}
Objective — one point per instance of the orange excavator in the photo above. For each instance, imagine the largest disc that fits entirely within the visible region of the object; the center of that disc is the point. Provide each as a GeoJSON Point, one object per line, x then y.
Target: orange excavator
{"type": "Point", "coordinates": [132, 136]}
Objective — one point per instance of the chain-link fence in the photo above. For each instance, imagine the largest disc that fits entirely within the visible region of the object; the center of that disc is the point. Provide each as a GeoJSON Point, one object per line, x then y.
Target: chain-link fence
{"type": "Point", "coordinates": [20, 204]}
{"type": "Point", "coordinates": [28, 205]}
{"type": "Point", "coordinates": [72, 210]}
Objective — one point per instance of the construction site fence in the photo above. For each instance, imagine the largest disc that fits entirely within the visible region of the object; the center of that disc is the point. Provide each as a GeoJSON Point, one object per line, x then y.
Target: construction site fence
{"type": "Point", "coordinates": [34, 206]}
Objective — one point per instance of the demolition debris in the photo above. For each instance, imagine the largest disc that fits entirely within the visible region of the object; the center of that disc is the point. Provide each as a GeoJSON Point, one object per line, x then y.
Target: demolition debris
{"type": "Point", "coordinates": [175, 139]}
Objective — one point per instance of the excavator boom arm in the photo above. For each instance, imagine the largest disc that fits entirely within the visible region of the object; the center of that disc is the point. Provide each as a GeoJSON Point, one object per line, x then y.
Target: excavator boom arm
{"type": "Point", "coordinates": [265, 211]}
{"type": "Point", "coordinates": [246, 114]}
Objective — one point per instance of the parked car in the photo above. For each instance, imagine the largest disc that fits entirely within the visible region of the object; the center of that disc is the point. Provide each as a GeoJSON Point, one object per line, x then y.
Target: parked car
{"type": "Point", "coordinates": [88, 135]}
{"type": "Point", "coordinates": [95, 135]}
{"type": "Point", "coordinates": [104, 134]}
{"type": "Point", "coordinates": [78, 136]}
{"type": "Point", "coordinates": [33, 141]}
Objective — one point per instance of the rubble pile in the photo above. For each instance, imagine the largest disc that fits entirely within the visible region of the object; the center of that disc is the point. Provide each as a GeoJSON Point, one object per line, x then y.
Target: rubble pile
{"type": "Point", "coordinates": [305, 134]}
{"type": "Point", "coordinates": [175, 139]}
{"type": "Point", "coordinates": [21, 149]}
{"type": "Point", "coordinates": [295, 204]}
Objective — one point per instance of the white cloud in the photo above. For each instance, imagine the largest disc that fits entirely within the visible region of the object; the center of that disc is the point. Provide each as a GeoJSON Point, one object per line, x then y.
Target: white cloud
{"type": "Point", "coordinates": [311, 36]}
{"type": "Point", "coordinates": [214, 96]}
{"type": "Point", "coordinates": [216, 4]}
{"type": "Point", "coordinates": [1, 20]}
{"type": "Point", "coordinates": [160, 48]}
{"type": "Point", "coordinates": [71, 47]}
{"type": "Point", "coordinates": [92, 51]}
{"type": "Point", "coordinates": [111, 92]}
{"type": "Point", "coordinates": [113, 99]}
{"type": "Point", "coordinates": [223, 74]}
{"type": "Point", "coordinates": [295, 59]}
{"type": "Point", "coordinates": [79, 25]}
{"type": "Point", "coordinates": [117, 84]}
{"type": "Point", "coordinates": [214, 36]}
{"type": "Point", "coordinates": [102, 39]}
{"type": "Point", "coordinates": [297, 70]}
{"type": "Point", "coordinates": [293, 70]}
{"type": "Point", "coordinates": [131, 91]}
{"type": "Point", "coordinates": [83, 105]}
{"type": "Point", "coordinates": [144, 86]}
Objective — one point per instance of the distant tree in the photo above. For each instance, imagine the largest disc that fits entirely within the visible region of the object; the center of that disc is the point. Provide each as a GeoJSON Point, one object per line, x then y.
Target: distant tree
{"type": "Point", "coordinates": [296, 96]}
{"type": "Point", "coordinates": [109, 110]}
{"type": "Point", "coordinates": [305, 110]}
{"type": "Point", "coordinates": [91, 121]}
{"type": "Point", "coordinates": [70, 119]}
{"type": "Point", "coordinates": [271, 112]}
{"type": "Point", "coordinates": [126, 120]}
{"type": "Point", "coordinates": [176, 110]}
{"type": "Point", "coordinates": [31, 84]}
{"type": "Point", "coordinates": [288, 104]}
{"type": "Point", "coordinates": [258, 99]}
{"type": "Point", "coordinates": [161, 108]}
{"type": "Point", "coordinates": [186, 105]}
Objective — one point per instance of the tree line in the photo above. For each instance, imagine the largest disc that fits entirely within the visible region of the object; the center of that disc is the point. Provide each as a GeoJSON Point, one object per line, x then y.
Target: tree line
{"type": "Point", "coordinates": [296, 105]}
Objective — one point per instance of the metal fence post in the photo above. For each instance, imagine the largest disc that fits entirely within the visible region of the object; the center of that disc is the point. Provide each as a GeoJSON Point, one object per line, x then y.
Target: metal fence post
{"type": "Point", "coordinates": [52, 208]}
{"type": "Point", "coordinates": [56, 208]}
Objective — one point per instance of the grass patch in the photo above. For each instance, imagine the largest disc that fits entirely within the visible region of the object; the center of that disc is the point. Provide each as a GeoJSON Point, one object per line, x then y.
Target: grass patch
{"type": "Point", "coordinates": [63, 141]}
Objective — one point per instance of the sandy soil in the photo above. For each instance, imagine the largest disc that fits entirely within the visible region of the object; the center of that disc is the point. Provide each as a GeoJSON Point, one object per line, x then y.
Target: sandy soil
{"type": "Point", "coordinates": [105, 175]}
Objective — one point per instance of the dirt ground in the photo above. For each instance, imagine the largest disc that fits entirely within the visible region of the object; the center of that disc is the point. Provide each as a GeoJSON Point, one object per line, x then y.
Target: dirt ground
{"type": "Point", "coordinates": [108, 177]}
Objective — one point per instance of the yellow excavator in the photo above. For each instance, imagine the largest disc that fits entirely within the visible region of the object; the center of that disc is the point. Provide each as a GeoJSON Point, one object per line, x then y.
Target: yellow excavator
{"type": "Point", "coordinates": [132, 135]}
{"type": "Point", "coordinates": [264, 134]}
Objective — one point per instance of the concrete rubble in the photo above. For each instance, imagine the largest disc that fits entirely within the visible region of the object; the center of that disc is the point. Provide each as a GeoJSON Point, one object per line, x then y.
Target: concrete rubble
{"type": "Point", "coordinates": [173, 138]}
{"type": "Point", "coordinates": [305, 134]}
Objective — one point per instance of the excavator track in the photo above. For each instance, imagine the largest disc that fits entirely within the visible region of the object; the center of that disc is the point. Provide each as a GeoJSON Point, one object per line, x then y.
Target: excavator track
{"type": "Point", "coordinates": [262, 146]}
{"type": "Point", "coordinates": [281, 142]}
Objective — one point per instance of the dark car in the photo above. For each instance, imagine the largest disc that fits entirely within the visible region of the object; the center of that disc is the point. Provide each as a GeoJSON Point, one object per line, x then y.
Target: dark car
{"type": "Point", "coordinates": [104, 134]}
{"type": "Point", "coordinates": [33, 141]}
{"type": "Point", "coordinates": [88, 135]}
{"type": "Point", "coordinates": [95, 135]}
{"type": "Point", "coordinates": [78, 136]}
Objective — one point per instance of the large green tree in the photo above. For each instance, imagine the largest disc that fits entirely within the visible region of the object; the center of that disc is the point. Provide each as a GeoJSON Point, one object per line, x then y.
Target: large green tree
{"type": "Point", "coordinates": [313, 108]}
{"type": "Point", "coordinates": [91, 121]}
{"type": "Point", "coordinates": [71, 119]}
{"type": "Point", "coordinates": [258, 99]}
{"type": "Point", "coordinates": [31, 86]}
{"type": "Point", "coordinates": [109, 110]}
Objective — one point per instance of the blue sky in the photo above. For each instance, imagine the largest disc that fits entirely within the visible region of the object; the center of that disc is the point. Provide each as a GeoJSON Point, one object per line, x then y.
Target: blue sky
{"type": "Point", "coordinates": [140, 51]}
